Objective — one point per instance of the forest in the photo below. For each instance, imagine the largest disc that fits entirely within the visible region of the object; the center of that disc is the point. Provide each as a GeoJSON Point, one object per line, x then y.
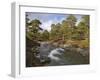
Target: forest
{"type": "Point", "coordinates": [67, 35]}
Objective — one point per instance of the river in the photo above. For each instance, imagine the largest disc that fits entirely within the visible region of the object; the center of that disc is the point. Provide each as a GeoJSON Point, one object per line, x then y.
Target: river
{"type": "Point", "coordinates": [62, 56]}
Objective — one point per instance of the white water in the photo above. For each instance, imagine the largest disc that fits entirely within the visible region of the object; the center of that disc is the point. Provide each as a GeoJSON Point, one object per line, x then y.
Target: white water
{"type": "Point", "coordinates": [55, 52]}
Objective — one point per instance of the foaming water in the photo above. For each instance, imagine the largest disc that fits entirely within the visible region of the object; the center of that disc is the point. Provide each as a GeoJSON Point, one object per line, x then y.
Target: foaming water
{"type": "Point", "coordinates": [57, 51]}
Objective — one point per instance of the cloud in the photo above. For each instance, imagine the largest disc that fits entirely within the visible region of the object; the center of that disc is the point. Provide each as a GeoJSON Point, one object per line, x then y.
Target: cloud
{"type": "Point", "coordinates": [46, 25]}
{"type": "Point", "coordinates": [45, 16]}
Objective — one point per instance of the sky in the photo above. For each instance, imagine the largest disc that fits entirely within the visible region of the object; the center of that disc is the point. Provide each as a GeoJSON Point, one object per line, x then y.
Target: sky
{"type": "Point", "coordinates": [50, 18]}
